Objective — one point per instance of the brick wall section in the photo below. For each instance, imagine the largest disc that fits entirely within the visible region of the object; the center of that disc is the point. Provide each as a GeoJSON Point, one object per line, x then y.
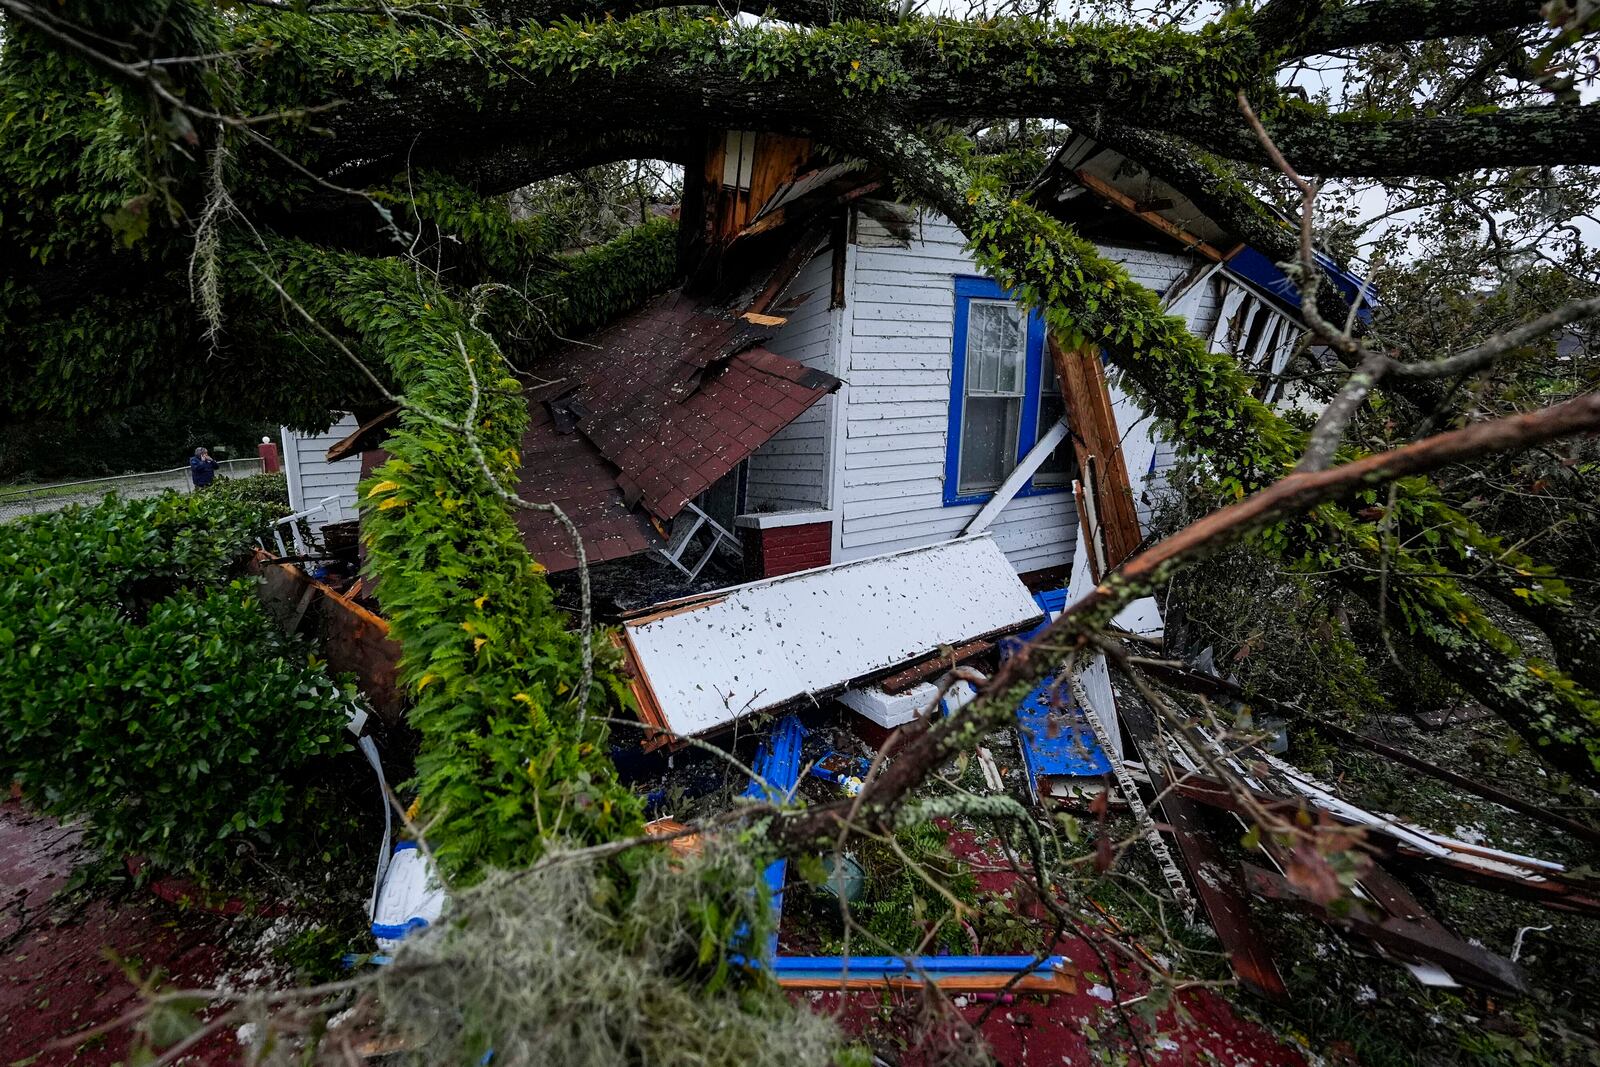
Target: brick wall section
{"type": "Point", "coordinates": [786, 549]}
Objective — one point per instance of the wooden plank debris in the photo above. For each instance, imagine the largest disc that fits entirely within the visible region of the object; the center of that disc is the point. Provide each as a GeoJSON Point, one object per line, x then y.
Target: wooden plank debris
{"type": "Point", "coordinates": [1210, 685]}
{"type": "Point", "coordinates": [1097, 440]}
{"type": "Point", "coordinates": [1220, 892]}
{"type": "Point", "coordinates": [367, 436]}
{"type": "Point", "coordinates": [1146, 215]}
{"type": "Point", "coordinates": [1422, 941]}
{"type": "Point", "coordinates": [1547, 883]}
{"type": "Point", "coordinates": [952, 974]}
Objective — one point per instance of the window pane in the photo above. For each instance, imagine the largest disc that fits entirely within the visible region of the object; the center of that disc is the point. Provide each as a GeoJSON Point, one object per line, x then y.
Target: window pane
{"type": "Point", "coordinates": [988, 442]}
{"type": "Point", "coordinates": [996, 348]}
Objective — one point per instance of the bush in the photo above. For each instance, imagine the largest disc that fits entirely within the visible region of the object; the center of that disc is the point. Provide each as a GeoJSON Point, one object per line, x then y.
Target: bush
{"type": "Point", "coordinates": [270, 492]}
{"type": "Point", "coordinates": [144, 689]}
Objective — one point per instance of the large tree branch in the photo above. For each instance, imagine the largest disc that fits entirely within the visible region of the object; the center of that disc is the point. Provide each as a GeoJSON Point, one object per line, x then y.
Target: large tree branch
{"type": "Point", "coordinates": [1391, 21]}
{"type": "Point", "coordinates": [806, 12]}
{"type": "Point", "coordinates": [443, 94]}
{"type": "Point", "coordinates": [461, 103]}
{"type": "Point", "coordinates": [930, 742]}
{"type": "Point", "coordinates": [1347, 146]}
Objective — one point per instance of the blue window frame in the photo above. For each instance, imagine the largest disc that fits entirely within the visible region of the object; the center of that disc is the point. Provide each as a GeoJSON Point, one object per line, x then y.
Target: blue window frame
{"type": "Point", "coordinates": [1003, 395]}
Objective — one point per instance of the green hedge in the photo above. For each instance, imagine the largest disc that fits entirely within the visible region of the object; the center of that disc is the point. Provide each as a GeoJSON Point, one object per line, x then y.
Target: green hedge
{"type": "Point", "coordinates": [267, 492]}
{"type": "Point", "coordinates": [144, 689]}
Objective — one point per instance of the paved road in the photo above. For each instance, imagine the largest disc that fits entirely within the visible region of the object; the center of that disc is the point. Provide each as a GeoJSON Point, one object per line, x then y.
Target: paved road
{"type": "Point", "coordinates": [35, 500]}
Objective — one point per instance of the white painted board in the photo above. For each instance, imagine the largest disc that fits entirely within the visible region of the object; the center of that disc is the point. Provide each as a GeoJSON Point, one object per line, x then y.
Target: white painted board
{"type": "Point", "coordinates": [759, 646]}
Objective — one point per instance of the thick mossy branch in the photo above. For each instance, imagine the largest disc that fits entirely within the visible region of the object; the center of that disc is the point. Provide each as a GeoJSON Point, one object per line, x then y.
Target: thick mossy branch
{"type": "Point", "coordinates": [427, 94]}
{"type": "Point", "coordinates": [457, 89]}
{"type": "Point", "coordinates": [811, 12]}
{"type": "Point", "coordinates": [1205, 401]}
{"type": "Point", "coordinates": [507, 761]}
{"type": "Point", "coordinates": [1347, 146]}
{"type": "Point", "coordinates": [1387, 22]}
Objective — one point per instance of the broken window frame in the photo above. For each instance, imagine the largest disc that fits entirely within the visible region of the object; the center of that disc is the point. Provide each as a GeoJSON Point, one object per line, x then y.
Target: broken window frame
{"type": "Point", "coordinates": [977, 291]}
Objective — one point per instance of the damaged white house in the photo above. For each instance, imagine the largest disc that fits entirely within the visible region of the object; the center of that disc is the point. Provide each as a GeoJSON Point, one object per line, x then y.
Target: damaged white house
{"type": "Point", "coordinates": [837, 382]}
{"type": "Point", "coordinates": [859, 387]}
{"type": "Point", "coordinates": [856, 461]}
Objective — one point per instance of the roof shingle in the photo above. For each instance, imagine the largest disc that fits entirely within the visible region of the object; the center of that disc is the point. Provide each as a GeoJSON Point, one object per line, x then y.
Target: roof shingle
{"type": "Point", "coordinates": [664, 403]}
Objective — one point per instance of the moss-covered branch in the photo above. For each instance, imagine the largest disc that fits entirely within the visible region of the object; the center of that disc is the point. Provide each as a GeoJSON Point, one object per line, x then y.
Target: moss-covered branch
{"type": "Point", "coordinates": [1350, 25]}
{"type": "Point", "coordinates": [1204, 400]}
{"type": "Point", "coordinates": [1347, 146]}
{"type": "Point", "coordinates": [807, 12]}
{"type": "Point", "coordinates": [507, 762]}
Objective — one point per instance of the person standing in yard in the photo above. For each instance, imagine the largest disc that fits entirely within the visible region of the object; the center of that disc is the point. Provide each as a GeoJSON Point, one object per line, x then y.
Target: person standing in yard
{"type": "Point", "coordinates": [202, 468]}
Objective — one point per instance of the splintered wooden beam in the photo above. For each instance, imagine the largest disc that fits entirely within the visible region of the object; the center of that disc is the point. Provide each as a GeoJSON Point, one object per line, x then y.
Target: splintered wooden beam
{"type": "Point", "coordinates": [1421, 941]}
{"type": "Point", "coordinates": [1215, 880]}
{"type": "Point", "coordinates": [1554, 888]}
{"type": "Point", "coordinates": [368, 435]}
{"type": "Point", "coordinates": [788, 269]}
{"type": "Point", "coordinates": [1096, 438]}
{"type": "Point", "coordinates": [1151, 218]}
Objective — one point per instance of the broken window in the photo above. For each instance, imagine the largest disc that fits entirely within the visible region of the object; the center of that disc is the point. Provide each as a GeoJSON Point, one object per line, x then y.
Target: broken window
{"type": "Point", "coordinates": [1062, 466]}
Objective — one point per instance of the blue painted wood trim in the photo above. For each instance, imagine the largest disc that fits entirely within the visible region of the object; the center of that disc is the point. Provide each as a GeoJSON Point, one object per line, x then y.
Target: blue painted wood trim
{"type": "Point", "coordinates": [968, 289]}
{"type": "Point", "coordinates": [891, 966]}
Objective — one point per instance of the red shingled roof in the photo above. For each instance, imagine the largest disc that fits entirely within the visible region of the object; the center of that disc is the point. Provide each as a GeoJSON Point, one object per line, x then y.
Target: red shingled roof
{"type": "Point", "coordinates": [652, 411]}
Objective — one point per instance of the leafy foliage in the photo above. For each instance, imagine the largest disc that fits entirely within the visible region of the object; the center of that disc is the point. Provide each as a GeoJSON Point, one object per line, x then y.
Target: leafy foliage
{"type": "Point", "coordinates": [902, 908]}
{"type": "Point", "coordinates": [507, 760]}
{"type": "Point", "coordinates": [267, 492]}
{"type": "Point", "coordinates": [144, 688]}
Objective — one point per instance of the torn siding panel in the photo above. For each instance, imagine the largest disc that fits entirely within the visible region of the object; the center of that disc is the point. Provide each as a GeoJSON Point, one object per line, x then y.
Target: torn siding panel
{"type": "Point", "coordinates": [311, 477]}
{"type": "Point", "coordinates": [791, 471]}
{"type": "Point", "coordinates": [896, 434]}
{"type": "Point", "coordinates": [708, 661]}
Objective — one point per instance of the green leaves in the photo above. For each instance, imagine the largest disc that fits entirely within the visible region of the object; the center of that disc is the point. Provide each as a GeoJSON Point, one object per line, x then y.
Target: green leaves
{"type": "Point", "coordinates": [506, 761]}
{"type": "Point", "coordinates": [130, 222]}
{"type": "Point", "coordinates": [144, 688]}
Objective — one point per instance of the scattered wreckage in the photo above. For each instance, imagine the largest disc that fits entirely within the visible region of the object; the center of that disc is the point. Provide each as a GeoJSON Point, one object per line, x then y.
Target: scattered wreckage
{"type": "Point", "coordinates": [853, 639]}
{"type": "Point", "coordinates": [827, 422]}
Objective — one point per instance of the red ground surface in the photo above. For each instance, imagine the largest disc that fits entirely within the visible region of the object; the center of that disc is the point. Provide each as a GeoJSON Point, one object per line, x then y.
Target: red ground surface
{"type": "Point", "coordinates": [1201, 1029]}
{"type": "Point", "coordinates": [57, 979]}
{"type": "Point", "coordinates": [57, 976]}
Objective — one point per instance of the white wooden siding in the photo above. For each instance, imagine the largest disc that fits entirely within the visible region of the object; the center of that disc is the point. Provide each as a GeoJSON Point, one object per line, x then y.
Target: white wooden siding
{"type": "Point", "coordinates": [311, 477]}
{"type": "Point", "coordinates": [898, 350]}
{"type": "Point", "coordinates": [792, 470]}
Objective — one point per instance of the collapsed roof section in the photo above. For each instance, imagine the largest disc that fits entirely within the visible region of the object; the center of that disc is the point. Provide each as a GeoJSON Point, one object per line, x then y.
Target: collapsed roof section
{"type": "Point", "coordinates": [1098, 190]}
{"type": "Point", "coordinates": [636, 422]}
